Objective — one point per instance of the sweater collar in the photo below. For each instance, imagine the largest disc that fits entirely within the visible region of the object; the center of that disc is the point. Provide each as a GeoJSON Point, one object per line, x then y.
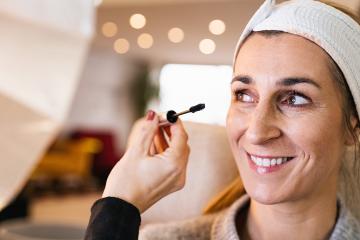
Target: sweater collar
{"type": "Point", "coordinates": [224, 226]}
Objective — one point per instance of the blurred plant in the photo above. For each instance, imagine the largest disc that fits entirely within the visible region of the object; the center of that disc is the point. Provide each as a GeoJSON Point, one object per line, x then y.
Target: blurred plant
{"type": "Point", "coordinates": [142, 89]}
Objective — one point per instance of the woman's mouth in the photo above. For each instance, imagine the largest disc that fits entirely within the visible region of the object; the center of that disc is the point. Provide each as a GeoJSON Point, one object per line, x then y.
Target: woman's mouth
{"type": "Point", "coordinates": [267, 164]}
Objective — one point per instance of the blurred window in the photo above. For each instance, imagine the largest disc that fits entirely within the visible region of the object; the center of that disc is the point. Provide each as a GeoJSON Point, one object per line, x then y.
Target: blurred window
{"type": "Point", "coordinates": [182, 86]}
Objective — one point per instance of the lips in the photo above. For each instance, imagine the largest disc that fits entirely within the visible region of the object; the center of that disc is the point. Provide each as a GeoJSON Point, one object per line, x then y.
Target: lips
{"type": "Point", "coordinates": [267, 164]}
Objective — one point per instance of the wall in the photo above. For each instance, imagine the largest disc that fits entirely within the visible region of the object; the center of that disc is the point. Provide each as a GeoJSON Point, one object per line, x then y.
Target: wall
{"type": "Point", "coordinates": [101, 100]}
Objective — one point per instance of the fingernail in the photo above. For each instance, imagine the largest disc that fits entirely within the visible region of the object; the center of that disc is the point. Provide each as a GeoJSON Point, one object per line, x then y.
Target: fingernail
{"type": "Point", "coordinates": [150, 115]}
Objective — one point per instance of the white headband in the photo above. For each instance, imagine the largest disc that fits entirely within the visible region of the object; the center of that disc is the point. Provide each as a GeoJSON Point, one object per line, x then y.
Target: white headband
{"type": "Point", "coordinates": [334, 31]}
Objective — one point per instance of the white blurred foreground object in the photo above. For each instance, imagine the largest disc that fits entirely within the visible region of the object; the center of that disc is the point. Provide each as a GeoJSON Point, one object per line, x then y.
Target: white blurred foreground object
{"type": "Point", "coordinates": [43, 46]}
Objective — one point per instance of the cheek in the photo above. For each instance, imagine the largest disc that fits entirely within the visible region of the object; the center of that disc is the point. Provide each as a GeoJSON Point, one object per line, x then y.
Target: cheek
{"type": "Point", "coordinates": [235, 125]}
{"type": "Point", "coordinates": [318, 140]}
{"type": "Point", "coordinates": [305, 133]}
{"type": "Point", "coordinates": [316, 132]}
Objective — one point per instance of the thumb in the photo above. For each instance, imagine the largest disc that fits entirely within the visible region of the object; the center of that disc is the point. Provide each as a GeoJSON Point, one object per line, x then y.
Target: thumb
{"type": "Point", "coordinates": [179, 136]}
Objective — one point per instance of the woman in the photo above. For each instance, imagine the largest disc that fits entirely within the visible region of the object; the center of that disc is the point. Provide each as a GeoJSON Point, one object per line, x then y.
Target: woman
{"type": "Point", "coordinates": [294, 112]}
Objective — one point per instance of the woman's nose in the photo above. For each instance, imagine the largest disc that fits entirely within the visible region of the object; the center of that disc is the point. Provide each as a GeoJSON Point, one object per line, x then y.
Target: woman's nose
{"type": "Point", "coordinates": [262, 126]}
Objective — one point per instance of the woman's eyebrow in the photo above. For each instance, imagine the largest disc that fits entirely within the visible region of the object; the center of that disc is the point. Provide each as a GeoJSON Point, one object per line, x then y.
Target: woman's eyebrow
{"type": "Point", "coordinates": [283, 82]}
{"type": "Point", "coordinates": [296, 80]}
{"type": "Point", "coordinates": [242, 78]}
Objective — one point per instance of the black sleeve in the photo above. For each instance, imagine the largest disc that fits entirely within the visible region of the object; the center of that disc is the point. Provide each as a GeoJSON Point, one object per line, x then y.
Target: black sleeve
{"type": "Point", "coordinates": [113, 218]}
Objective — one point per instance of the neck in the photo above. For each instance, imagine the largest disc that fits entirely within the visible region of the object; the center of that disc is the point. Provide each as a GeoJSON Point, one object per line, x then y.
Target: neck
{"type": "Point", "coordinates": [312, 218]}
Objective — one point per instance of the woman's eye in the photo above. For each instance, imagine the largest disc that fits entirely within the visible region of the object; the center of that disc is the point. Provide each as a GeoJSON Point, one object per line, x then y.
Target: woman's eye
{"type": "Point", "coordinates": [296, 99]}
{"type": "Point", "coordinates": [243, 97]}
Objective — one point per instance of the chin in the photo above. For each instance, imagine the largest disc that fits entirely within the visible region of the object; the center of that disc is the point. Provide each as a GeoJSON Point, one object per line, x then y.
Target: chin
{"type": "Point", "coordinates": [266, 194]}
{"type": "Point", "coordinates": [264, 198]}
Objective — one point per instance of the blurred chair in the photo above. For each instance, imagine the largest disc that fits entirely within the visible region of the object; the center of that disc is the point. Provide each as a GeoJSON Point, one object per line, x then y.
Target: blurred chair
{"type": "Point", "coordinates": [105, 159]}
{"type": "Point", "coordinates": [211, 168]}
{"type": "Point", "coordinates": [67, 158]}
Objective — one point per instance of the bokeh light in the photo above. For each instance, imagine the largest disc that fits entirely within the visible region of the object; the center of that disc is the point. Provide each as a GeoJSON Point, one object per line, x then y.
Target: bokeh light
{"type": "Point", "coordinates": [176, 35]}
{"type": "Point", "coordinates": [121, 46]}
{"type": "Point", "coordinates": [217, 27]}
{"type": "Point", "coordinates": [145, 40]}
{"type": "Point", "coordinates": [207, 46]}
{"type": "Point", "coordinates": [97, 3]}
{"type": "Point", "coordinates": [109, 29]}
{"type": "Point", "coordinates": [137, 21]}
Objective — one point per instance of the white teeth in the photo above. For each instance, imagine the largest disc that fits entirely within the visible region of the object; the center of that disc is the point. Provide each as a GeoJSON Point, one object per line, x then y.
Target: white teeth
{"type": "Point", "coordinates": [258, 161]}
{"type": "Point", "coordinates": [273, 162]}
{"type": "Point", "coordinates": [267, 162]}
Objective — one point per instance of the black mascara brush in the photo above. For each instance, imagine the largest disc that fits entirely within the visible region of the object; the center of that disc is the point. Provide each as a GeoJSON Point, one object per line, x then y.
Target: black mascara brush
{"type": "Point", "coordinates": [172, 116]}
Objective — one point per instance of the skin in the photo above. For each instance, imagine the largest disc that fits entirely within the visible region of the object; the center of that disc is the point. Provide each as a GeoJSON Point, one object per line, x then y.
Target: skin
{"type": "Point", "coordinates": [268, 118]}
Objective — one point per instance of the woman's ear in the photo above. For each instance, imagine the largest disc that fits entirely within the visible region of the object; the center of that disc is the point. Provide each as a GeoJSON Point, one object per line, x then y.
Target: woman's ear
{"type": "Point", "coordinates": [352, 135]}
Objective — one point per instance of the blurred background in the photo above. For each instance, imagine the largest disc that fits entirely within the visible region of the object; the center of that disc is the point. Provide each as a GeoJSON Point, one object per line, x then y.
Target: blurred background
{"type": "Point", "coordinates": [76, 74]}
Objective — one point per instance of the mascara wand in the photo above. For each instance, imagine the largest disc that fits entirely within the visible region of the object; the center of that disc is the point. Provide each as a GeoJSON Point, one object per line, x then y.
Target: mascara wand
{"type": "Point", "coordinates": [172, 116]}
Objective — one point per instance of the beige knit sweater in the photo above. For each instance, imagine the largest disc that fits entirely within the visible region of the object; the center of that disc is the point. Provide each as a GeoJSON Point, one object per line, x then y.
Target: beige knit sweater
{"type": "Point", "coordinates": [221, 226]}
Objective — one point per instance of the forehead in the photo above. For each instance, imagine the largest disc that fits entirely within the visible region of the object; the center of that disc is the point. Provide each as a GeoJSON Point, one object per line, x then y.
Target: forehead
{"type": "Point", "coordinates": [280, 56]}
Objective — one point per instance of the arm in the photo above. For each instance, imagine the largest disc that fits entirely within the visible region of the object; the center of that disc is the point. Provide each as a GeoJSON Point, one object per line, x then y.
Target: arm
{"type": "Point", "coordinates": [113, 218]}
{"type": "Point", "coordinates": [149, 170]}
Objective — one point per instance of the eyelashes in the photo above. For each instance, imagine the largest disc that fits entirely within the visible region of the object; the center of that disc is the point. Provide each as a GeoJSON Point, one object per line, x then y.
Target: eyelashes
{"type": "Point", "coordinates": [289, 98]}
{"type": "Point", "coordinates": [243, 96]}
{"type": "Point", "coordinates": [296, 99]}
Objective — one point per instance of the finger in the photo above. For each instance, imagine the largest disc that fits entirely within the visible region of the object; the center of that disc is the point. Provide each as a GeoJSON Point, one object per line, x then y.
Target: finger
{"type": "Point", "coordinates": [135, 128]}
{"type": "Point", "coordinates": [162, 116]}
{"type": "Point", "coordinates": [179, 137]}
{"type": "Point", "coordinates": [160, 142]}
{"type": "Point", "coordinates": [167, 131]}
{"type": "Point", "coordinates": [166, 127]}
{"type": "Point", "coordinates": [145, 132]}
{"type": "Point", "coordinates": [152, 150]}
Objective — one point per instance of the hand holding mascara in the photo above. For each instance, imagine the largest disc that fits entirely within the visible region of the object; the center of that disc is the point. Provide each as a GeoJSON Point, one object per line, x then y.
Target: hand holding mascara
{"type": "Point", "coordinates": [143, 177]}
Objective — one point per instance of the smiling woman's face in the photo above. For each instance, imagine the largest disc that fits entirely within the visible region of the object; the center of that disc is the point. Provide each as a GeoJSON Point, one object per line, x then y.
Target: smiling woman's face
{"type": "Point", "coordinates": [285, 120]}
